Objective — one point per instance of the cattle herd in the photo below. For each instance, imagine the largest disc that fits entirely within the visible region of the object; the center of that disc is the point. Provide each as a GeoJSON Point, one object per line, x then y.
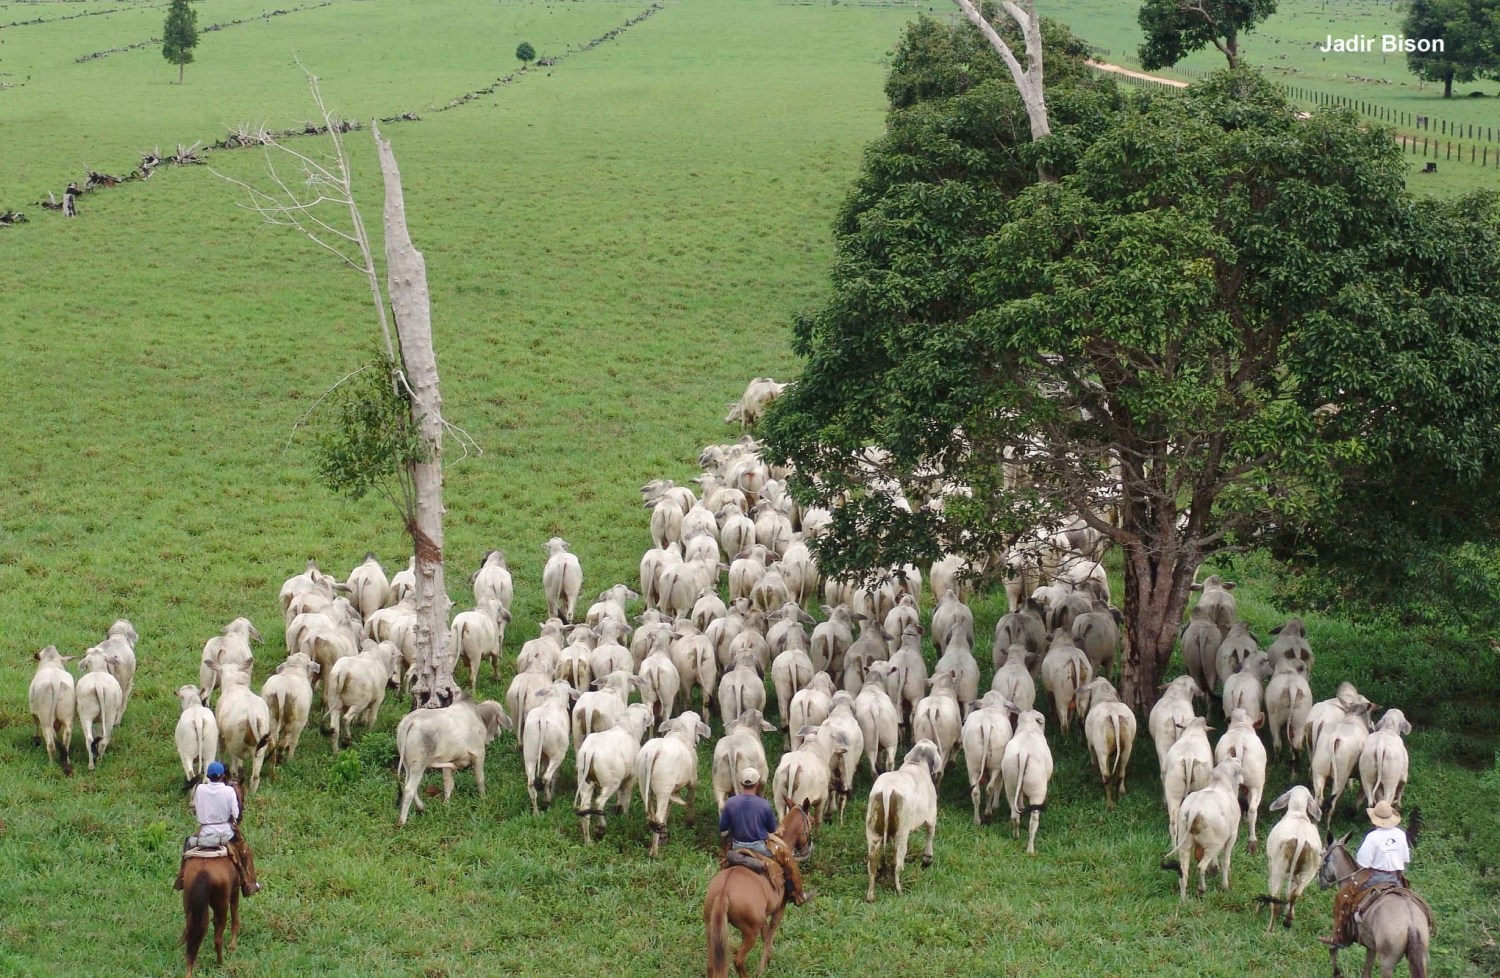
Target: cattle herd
{"type": "Point", "coordinates": [849, 689]}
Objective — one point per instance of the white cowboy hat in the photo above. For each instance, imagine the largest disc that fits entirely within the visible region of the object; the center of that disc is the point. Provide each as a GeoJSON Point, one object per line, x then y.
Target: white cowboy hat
{"type": "Point", "coordinates": [1384, 815]}
{"type": "Point", "coordinates": [749, 777]}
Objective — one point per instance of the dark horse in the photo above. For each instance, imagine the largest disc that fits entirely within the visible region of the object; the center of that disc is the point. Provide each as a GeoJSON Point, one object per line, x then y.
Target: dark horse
{"type": "Point", "coordinates": [746, 899]}
{"type": "Point", "coordinates": [1394, 926]}
{"type": "Point", "coordinates": [212, 884]}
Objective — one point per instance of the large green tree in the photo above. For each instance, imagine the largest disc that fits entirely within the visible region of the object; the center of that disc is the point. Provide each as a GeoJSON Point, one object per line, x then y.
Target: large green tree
{"type": "Point", "coordinates": [1176, 28]}
{"type": "Point", "coordinates": [1470, 33]}
{"type": "Point", "coordinates": [1221, 322]}
{"type": "Point", "coordinates": [179, 35]}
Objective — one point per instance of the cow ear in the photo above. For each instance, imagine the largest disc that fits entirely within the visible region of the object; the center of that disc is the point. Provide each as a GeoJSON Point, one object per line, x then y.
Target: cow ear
{"type": "Point", "coordinates": [703, 731]}
{"type": "Point", "coordinates": [1276, 630]}
{"type": "Point", "coordinates": [807, 730]}
{"type": "Point", "coordinates": [1281, 802]}
{"type": "Point", "coordinates": [767, 726]}
{"type": "Point", "coordinates": [1315, 812]}
{"type": "Point", "coordinates": [1195, 587]}
{"type": "Point", "coordinates": [1230, 585]}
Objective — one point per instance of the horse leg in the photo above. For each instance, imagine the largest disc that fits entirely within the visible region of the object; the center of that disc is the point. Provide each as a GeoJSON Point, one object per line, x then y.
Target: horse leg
{"type": "Point", "coordinates": [221, 913]}
{"type": "Point", "coordinates": [234, 919]}
{"type": "Point", "coordinates": [768, 936]}
{"type": "Point", "coordinates": [747, 942]}
{"type": "Point", "coordinates": [1387, 967]}
{"type": "Point", "coordinates": [1333, 956]}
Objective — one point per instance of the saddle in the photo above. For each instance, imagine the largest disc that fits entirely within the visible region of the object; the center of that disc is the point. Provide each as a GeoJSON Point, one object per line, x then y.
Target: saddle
{"type": "Point", "coordinates": [1358, 896]}
{"type": "Point", "coordinates": [206, 852]}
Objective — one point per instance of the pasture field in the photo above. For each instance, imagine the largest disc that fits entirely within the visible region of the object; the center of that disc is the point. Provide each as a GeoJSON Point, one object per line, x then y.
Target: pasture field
{"type": "Point", "coordinates": [613, 248]}
{"type": "Point", "coordinates": [1285, 45]}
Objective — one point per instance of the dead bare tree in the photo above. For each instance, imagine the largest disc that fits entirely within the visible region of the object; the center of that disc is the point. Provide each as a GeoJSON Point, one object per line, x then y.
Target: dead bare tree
{"type": "Point", "coordinates": [417, 487]}
{"type": "Point", "coordinates": [1028, 79]}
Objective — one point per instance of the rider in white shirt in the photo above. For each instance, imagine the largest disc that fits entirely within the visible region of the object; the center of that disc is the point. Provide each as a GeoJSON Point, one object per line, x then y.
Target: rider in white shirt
{"type": "Point", "coordinates": [217, 806]}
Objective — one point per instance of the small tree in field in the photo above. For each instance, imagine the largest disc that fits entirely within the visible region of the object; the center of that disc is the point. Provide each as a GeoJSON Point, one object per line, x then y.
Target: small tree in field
{"type": "Point", "coordinates": [179, 35]}
{"type": "Point", "coordinates": [525, 53]}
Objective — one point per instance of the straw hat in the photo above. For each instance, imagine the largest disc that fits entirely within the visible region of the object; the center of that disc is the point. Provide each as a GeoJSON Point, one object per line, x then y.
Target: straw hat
{"type": "Point", "coordinates": [1384, 815]}
{"type": "Point", "coordinates": [749, 777]}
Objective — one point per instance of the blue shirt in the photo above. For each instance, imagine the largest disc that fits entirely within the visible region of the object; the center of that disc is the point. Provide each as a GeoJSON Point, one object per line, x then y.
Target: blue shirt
{"type": "Point", "coordinates": [747, 818]}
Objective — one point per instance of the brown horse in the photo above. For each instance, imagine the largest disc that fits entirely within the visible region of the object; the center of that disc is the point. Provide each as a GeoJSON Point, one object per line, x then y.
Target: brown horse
{"type": "Point", "coordinates": [210, 883]}
{"type": "Point", "coordinates": [1394, 926]}
{"type": "Point", "coordinates": [213, 884]}
{"type": "Point", "coordinates": [746, 899]}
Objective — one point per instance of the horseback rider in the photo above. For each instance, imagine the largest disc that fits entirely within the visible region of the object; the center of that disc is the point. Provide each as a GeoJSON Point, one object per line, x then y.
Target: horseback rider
{"type": "Point", "coordinates": [748, 822]}
{"type": "Point", "coordinates": [217, 806]}
{"type": "Point", "coordinates": [1382, 858]}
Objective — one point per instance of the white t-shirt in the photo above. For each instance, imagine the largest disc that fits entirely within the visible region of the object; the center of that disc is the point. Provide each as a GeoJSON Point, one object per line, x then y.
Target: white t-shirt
{"type": "Point", "coordinates": [1385, 849]}
{"type": "Point", "coordinates": [216, 804]}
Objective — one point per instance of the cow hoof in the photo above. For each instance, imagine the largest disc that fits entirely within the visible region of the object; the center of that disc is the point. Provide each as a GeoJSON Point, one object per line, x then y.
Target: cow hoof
{"type": "Point", "coordinates": [869, 898]}
{"type": "Point", "coordinates": [926, 860]}
{"type": "Point", "coordinates": [598, 833]}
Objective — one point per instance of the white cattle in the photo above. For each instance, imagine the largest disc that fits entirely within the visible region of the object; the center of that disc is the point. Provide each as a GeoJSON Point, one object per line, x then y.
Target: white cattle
{"type": "Point", "coordinates": [562, 579]}
{"type": "Point", "coordinates": [606, 768]}
{"type": "Point", "coordinates": [1013, 680]}
{"type": "Point", "coordinates": [546, 648]}
{"type": "Point", "coordinates": [1244, 689]}
{"type": "Point", "coordinates": [1238, 646]}
{"type": "Point", "coordinates": [492, 582]}
{"type": "Point", "coordinates": [1064, 670]}
{"type": "Point", "coordinates": [1291, 645]}
{"type": "Point", "coordinates": [197, 736]}
{"type": "Point", "coordinates": [666, 523]}
{"type": "Point", "coordinates": [1336, 756]}
{"type": "Point", "coordinates": [1383, 764]}
{"type": "Point", "coordinates": [902, 801]}
{"type": "Point", "coordinates": [119, 650]}
{"type": "Point", "coordinates": [520, 697]}
{"type": "Point", "coordinates": [908, 678]}
{"type": "Point", "coordinates": [800, 571]}
{"type": "Point", "coordinates": [297, 585]}
{"type": "Point", "coordinates": [99, 698]}
{"type": "Point", "coordinates": [1217, 603]}
{"type": "Point", "coordinates": [831, 639]}
{"type": "Point", "coordinates": [1288, 701]}
{"type": "Point", "coordinates": [1170, 715]}
{"type": "Point", "coordinates": [742, 688]}
{"type": "Point", "coordinates": [653, 563]}
{"type": "Point", "coordinates": [476, 636]}
{"type": "Point", "coordinates": [1109, 726]}
{"type": "Point", "coordinates": [244, 722]}
{"type": "Point", "coordinates": [791, 671]}
{"type": "Point", "coordinates": [1242, 743]}
{"type": "Point", "coordinates": [611, 604]}
{"type": "Point", "coordinates": [842, 723]}
{"type": "Point", "coordinates": [232, 648]}
{"type": "Point", "coordinates": [404, 585]}
{"type": "Point", "coordinates": [450, 738]}
{"type": "Point", "coordinates": [1026, 767]}
{"type": "Point", "coordinates": [739, 748]}
{"type": "Point", "coordinates": [804, 777]}
{"type": "Point", "coordinates": [369, 588]}
{"type": "Point", "coordinates": [1206, 827]}
{"type": "Point", "coordinates": [986, 733]}
{"type": "Point", "coordinates": [545, 745]}
{"type": "Point", "coordinates": [1294, 851]}
{"type": "Point", "coordinates": [879, 721]}
{"type": "Point", "coordinates": [1327, 713]}
{"type": "Point", "coordinates": [872, 646]}
{"type": "Point", "coordinates": [288, 694]}
{"type": "Point", "coordinates": [357, 686]}
{"type": "Point", "coordinates": [666, 765]}
{"type": "Point", "coordinates": [903, 613]}
{"type": "Point", "coordinates": [938, 717]}
{"type": "Point", "coordinates": [52, 699]}
{"type": "Point", "coordinates": [810, 707]}
{"type": "Point", "coordinates": [598, 708]}
{"type": "Point", "coordinates": [1189, 763]}
{"type": "Point", "coordinates": [949, 617]}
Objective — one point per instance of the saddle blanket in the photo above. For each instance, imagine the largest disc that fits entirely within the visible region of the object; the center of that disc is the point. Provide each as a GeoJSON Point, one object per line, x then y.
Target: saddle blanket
{"type": "Point", "coordinates": [207, 852]}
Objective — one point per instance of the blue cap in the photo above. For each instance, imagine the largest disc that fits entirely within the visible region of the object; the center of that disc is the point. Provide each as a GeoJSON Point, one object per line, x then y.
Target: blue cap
{"type": "Point", "coordinates": [215, 769]}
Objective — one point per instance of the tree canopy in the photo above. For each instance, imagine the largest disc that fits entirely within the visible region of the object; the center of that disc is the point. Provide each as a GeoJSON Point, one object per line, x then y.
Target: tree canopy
{"type": "Point", "coordinates": [1470, 32]}
{"type": "Point", "coordinates": [1224, 323]}
{"type": "Point", "coordinates": [525, 52]}
{"type": "Point", "coordinates": [1176, 28]}
{"type": "Point", "coordinates": [179, 35]}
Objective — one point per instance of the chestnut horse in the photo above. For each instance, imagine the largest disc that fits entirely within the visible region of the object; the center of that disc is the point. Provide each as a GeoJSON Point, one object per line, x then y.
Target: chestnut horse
{"type": "Point", "coordinates": [212, 884]}
{"type": "Point", "coordinates": [745, 898]}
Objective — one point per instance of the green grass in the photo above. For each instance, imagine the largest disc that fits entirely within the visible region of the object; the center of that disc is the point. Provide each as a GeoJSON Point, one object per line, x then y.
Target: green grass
{"type": "Point", "coordinates": [614, 248]}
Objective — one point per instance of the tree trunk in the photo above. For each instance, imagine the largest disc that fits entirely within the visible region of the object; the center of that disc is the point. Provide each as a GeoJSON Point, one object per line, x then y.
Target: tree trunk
{"type": "Point", "coordinates": [1029, 80]}
{"type": "Point", "coordinates": [1156, 593]}
{"type": "Point", "coordinates": [180, 66]}
{"type": "Point", "coordinates": [406, 280]}
{"type": "Point", "coordinates": [1448, 84]}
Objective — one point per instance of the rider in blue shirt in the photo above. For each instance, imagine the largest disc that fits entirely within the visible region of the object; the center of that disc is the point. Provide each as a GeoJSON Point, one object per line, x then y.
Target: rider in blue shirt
{"type": "Point", "coordinates": [748, 820]}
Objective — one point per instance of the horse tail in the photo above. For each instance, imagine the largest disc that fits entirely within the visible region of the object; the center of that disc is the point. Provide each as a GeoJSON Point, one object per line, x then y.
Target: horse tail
{"type": "Point", "coordinates": [716, 920]}
{"type": "Point", "coordinates": [195, 907]}
{"type": "Point", "coordinates": [1416, 951]}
